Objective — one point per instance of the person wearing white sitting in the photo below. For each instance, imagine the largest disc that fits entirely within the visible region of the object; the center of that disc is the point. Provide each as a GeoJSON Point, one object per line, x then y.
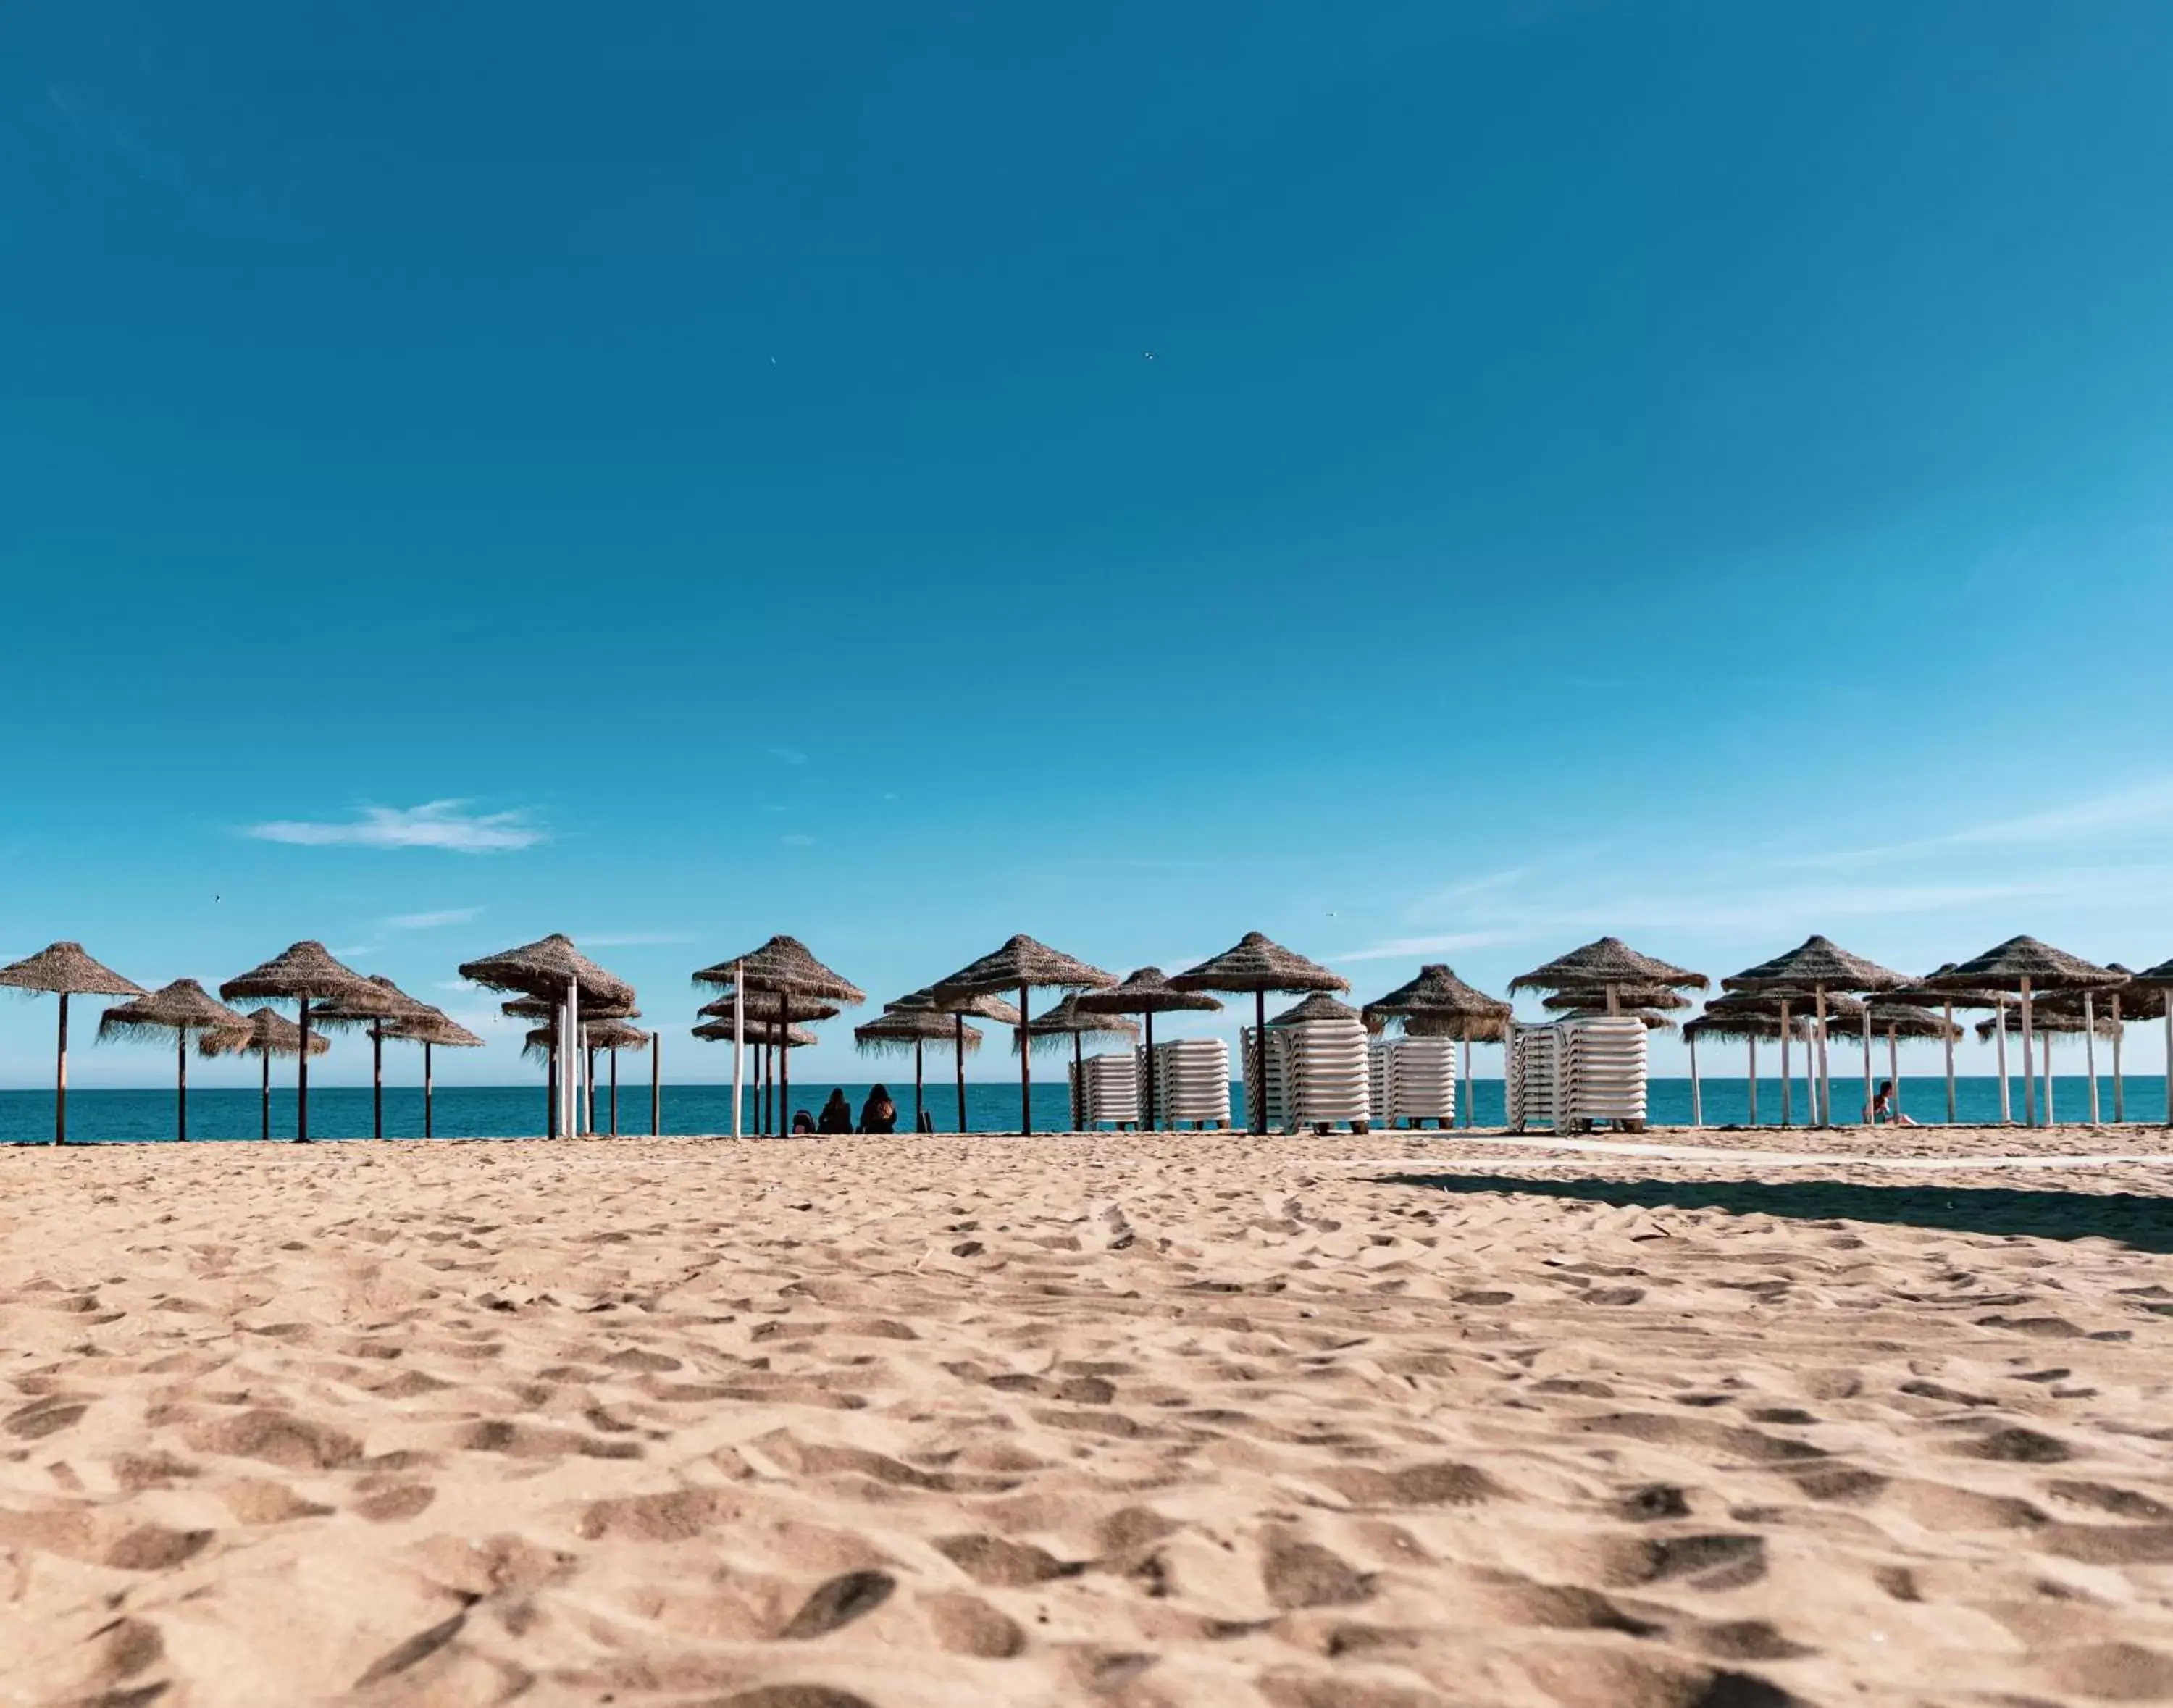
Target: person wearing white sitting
{"type": "Point", "coordinates": [1884, 1108]}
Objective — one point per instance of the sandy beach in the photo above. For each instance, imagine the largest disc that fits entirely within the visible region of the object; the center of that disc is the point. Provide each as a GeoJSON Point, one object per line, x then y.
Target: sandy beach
{"type": "Point", "coordinates": [1347, 1422]}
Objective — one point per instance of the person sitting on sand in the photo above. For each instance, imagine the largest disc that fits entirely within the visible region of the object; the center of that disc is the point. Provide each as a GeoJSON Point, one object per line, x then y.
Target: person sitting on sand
{"type": "Point", "coordinates": [878, 1114]}
{"type": "Point", "coordinates": [1884, 1108]}
{"type": "Point", "coordinates": [837, 1114]}
{"type": "Point", "coordinates": [803, 1123]}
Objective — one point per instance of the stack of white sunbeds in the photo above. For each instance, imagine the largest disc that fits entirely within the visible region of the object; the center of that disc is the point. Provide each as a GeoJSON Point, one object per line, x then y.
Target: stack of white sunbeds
{"type": "Point", "coordinates": [1420, 1080]}
{"type": "Point", "coordinates": [1317, 1073]}
{"type": "Point", "coordinates": [1572, 1073]}
{"type": "Point", "coordinates": [1106, 1090]}
{"type": "Point", "coordinates": [1192, 1081]}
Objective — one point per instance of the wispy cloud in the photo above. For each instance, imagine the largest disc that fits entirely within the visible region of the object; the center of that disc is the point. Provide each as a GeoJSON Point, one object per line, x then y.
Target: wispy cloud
{"type": "Point", "coordinates": [439, 824]}
{"type": "Point", "coordinates": [1401, 948]}
{"type": "Point", "coordinates": [2143, 807]}
{"type": "Point", "coordinates": [456, 984]}
{"type": "Point", "coordinates": [787, 756]}
{"type": "Point", "coordinates": [798, 840]}
{"type": "Point", "coordinates": [430, 922]}
{"type": "Point", "coordinates": [355, 951]}
{"type": "Point", "coordinates": [630, 940]}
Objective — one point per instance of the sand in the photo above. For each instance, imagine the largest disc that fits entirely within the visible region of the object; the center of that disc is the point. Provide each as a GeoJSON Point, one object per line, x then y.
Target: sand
{"type": "Point", "coordinates": [1338, 1423]}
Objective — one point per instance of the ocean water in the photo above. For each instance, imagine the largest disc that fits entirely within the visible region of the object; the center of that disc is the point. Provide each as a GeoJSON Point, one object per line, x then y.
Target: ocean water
{"type": "Point", "coordinates": [496, 1111]}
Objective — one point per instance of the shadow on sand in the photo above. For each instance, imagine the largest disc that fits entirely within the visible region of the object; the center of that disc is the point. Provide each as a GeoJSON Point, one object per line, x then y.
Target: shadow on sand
{"type": "Point", "coordinates": [2144, 1223]}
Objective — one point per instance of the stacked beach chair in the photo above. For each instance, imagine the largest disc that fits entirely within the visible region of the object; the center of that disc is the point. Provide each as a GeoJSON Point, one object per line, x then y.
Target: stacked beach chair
{"type": "Point", "coordinates": [1381, 1076]}
{"type": "Point", "coordinates": [1318, 1075]}
{"type": "Point", "coordinates": [1192, 1081]}
{"type": "Point", "coordinates": [1576, 1072]}
{"type": "Point", "coordinates": [1420, 1080]}
{"type": "Point", "coordinates": [1106, 1090]}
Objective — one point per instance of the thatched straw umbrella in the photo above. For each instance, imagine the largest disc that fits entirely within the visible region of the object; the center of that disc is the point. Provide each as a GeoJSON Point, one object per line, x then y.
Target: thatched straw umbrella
{"type": "Point", "coordinates": [1611, 967]}
{"type": "Point", "coordinates": [434, 1029]}
{"type": "Point", "coordinates": [766, 1011]}
{"type": "Point", "coordinates": [1820, 966]}
{"type": "Point", "coordinates": [898, 1029]}
{"type": "Point", "coordinates": [303, 973]}
{"type": "Point", "coordinates": [1923, 993]}
{"type": "Point", "coordinates": [1147, 993]}
{"type": "Point", "coordinates": [2123, 1003]}
{"type": "Point", "coordinates": [552, 968]}
{"type": "Point", "coordinates": [1626, 996]}
{"type": "Point", "coordinates": [1067, 1020]}
{"type": "Point", "coordinates": [1894, 1021]}
{"type": "Point", "coordinates": [916, 1006]}
{"type": "Point", "coordinates": [776, 1038]}
{"type": "Point", "coordinates": [180, 1008]}
{"type": "Point", "coordinates": [2029, 968]}
{"type": "Point", "coordinates": [545, 1008]}
{"type": "Point", "coordinates": [1024, 965]}
{"type": "Point", "coordinates": [611, 1035]}
{"type": "Point", "coordinates": [270, 1034]}
{"type": "Point", "coordinates": [65, 970]}
{"type": "Point", "coordinates": [1258, 967]}
{"type": "Point", "coordinates": [2159, 980]}
{"type": "Point", "coordinates": [782, 967]}
{"type": "Point", "coordinates": [1727, 1020]}
{"type": "Point", "coordinates": [2047, 1022]}
{"type": "Point", "coordinates": [399, 1006]}
{"type": "Point", "coordinates": [1444, 1005]}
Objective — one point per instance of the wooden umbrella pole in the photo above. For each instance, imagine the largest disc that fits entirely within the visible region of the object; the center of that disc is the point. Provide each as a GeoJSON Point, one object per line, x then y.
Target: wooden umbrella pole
{"type": "Point", "coordinates": [1867, 1064]}
{"type": "Point", "coordinates": [1467, 1074]}
{"type": "Point", "coordinates": [302, 1081]}
{"type": "Point", "coordinates": [588, 1084]}
{"type": "Point", "coordinates": [1026, 1065]}
{"type": "Point", "coordinates": [429, 1093]}
{"type": "Point", "coordinates": [2090, 1055]}
{"type": "Point", "coordinates": [265, 1061]}
{"type": "Point", "coordinates": [1999, 1051]}
{"type": "Point", "coordinates": [1948, 1015]}
{"type": "Point", "coordinates": [1154, 1119]}
{"type": "Point", "coordinates": [917, 1046]}
{"type": "Point", "coordinates": [2119, 1090]}
{"type": "Point", "coordinates": [656, 1085]}
{"type": "Point", "coordinates": [784, 1069]}
{"type": "Point", "coordinates": [1822, 1093]}
{"type": "Point", "coordinates": [1787, 1089]}
{"type": "Point", "coordinates": [377, 1078]}
{"type": "Point", "coordinates": [2168, 1057]}
{"type": "Point", "coordinates": [1894, 1067]}
{"type": "Point", "coordinates": [1697, 1104]}
{"type": "Point", "coordinates": [1256, 1092]}
{"type": "Point", "coordinates": [551, 1087]}
{"type": "Point", "coordinates": [958, 1058]}
{"type": "Point", "coordinates": [614, 1091]}
{"type": "Point", "coordinates": [60, 1079]}
{"type": "Point", "coordinates": [2045, 1063]}
{"type": "Point", "coordinates": [2029, 1064]}
{"type": "Point", "coordinates": [181, 1084]}
{"type": "Point", "coordinates": [1078, 1083]}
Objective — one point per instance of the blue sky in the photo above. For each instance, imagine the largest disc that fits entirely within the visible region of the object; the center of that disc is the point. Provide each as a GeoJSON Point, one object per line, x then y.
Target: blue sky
{"type": "Point", "coordinates": [1427, 481]}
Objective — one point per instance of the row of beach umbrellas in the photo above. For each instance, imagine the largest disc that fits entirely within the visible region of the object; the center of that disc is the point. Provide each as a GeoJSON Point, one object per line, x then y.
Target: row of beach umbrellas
{"type": "Point", "coordinates": [771, 996]}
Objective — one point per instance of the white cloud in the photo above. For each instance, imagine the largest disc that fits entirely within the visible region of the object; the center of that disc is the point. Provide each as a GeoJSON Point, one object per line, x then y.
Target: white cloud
{"type": "Point", "coordinates": [787, 756]}
{"type": "Point", "coordinates": [799, 842]}
{"type": "Point", "coordinates": [1400, 948]}
{"type": "Point", "coordinates": [439, 824]}
{"type": "Point", "coordinates": [630, 940]}
{"type": "Point", "coordinates": [357, 951]}
{"type": "Point", "coordinates": [2146, 807]}
{"type": "Point", "coordinates": [430, 922]}
{"type": "Point", "coordinates": [456, 984]}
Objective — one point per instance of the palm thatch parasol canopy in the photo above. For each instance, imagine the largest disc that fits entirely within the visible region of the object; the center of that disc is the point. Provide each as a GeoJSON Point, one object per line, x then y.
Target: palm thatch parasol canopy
{"type": "Point", "coordinates": [1604, 962]}
{"type": "Point", "coordinates": [183, 1006]}
{"type": "Point", "coordinates": [549, 967]}
{"type": "Point", "coordinates": [796, 1038]}
{"type": "Point", "coordinates": [1068, 1021]}
{"type": "Point", "coordinates": [1146, 991]}
{"type": "Point", "coordinates": [538, 1008]}
{"type": "Point", "coordinates": [1490, 1029]}
{"type": "Point", "coordinates": [897, 1032]}
{"type": "Point", "coordinates": [1320, 1006]}
{"type": "Point", "coordinates": [1652, 996]}
{"type": "Point", "coordinates": [1257, 965]}
{"type": "Point", "coordinates": [1435, 995]}
{"type": "Point", "coordinates": [783, 964]}
{"type": "Point", "coordinates": [391, 1005]}
{"type": "Point", "coordinates": [1734, 1026]}
{"type": "Point", "coordinates": [2044, 1021]}
{"type": "Point", "coordinates": [1906, 1020]}
{"type": "Point", "coordinates": [1927, 990]}
{"type": "Point", "coordinates": [303, 972]}
{"type": "Point", "coordinates": [1651, 1019]}
{"type": "Point", "coordinates": [1020, 964]}
{"type": "Point", "coordinates": [435, 1028]}
{"type": "Point", "coordinates": [270, 1033]}
{"type": "Point", "coordinates": [2007, 966]}
{"type": "Point", "coordinates": [981, 1005]}
{"type": "Point", "coordinates": [2160, 976]}
{"type": "Point", "coordinates": [604, 1035]}
{"type": "Point", "coordinates": [1816, 963]}
{"type": "Point", "coordinates": [63, 969]}
{"type": "Point", "coordinates": [769, 1006]}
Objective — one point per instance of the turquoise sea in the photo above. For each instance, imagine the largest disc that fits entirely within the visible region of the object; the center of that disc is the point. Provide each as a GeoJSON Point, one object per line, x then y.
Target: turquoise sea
{"type": "Point", "coordinates": [495, 1112]}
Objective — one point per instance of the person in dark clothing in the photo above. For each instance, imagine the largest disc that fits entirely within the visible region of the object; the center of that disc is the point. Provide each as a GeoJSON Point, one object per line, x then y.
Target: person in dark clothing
{"type": "Point", "coordinates": [836, 1114]}
{"type": "Point", "coordinates": [878, 1114]}
{"type": "Point", "coordinates": [802, 1123]}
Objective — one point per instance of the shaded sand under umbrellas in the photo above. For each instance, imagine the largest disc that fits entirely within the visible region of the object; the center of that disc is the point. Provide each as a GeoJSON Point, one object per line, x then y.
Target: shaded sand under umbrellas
{"type": "Point", "coordinates": [611, 1036]}
{"type": "Point", "coordinates": [543, 1009]}
{"type": "Point", "coordinates": [64, 970]}
{"type": "Point", "coordinates": [1895, 1021]}
{"type": "Point", "coordinates": [772, 1036]}
{"type": "Point", "coordinates": [1746, 1020]}
{"type": "Point", "coordinates": [2030, 969]}
{"type": "Point", "coordinates": [1437, 1003]}
{"type": "Point", "coordinates": [1024, 965]}
{"type": "Point", "coordinates": [1821, 967]}
{"type": "Point", "coordinates": [2160, 979]}
{"type": "Point", "coordinates": [897, 1031]}
{"type": "Point", "coordinates": [1258, 967]}
{"type": "Point", "coordinates": [2047, 1022]}
{"type": "Point", "coordinates": [981, 1007]}
{"type": "Point", "coordinates": [339, 1012]}
{"type": "Point", "coordinates": [270, 1034]}
{"type": "Point", "coordinates": [177, 1010]}
{"type": "Point", "coordinates": [1067, 1020]}
{"type": "Point", "coordinates": [434, 1030]}
{"type": "Point", "coordinates": [300, 974]}
{"type": "Point", "coordinates": [783, 966]}
{"type": "Point", "coordinates": [553, 969]}
{"type": "Point", "coordinates": [2122, 1004]}
{"type": "Point", "coordinates": [1923, 994]}
{"type": "Point", "coordinates": [1147, 993]}
{"type": "Point", "coordinates": [769, 1008]}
